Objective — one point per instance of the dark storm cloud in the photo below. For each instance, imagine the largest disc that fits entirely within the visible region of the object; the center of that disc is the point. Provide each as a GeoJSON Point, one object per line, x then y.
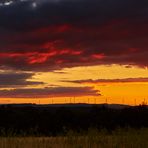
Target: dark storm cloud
{"type": "Point", "coordinates": [49, 92]}
{"type": "Point", "coordinates": [53, 34]}
{"type": "Point", "coordinates": [69, 11]}
{"type": "Point", "coordinates": [9, 80]}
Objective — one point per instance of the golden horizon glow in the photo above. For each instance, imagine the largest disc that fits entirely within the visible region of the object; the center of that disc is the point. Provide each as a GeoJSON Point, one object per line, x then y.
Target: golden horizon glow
{"type": "Point", "coordinates": [116, 92]}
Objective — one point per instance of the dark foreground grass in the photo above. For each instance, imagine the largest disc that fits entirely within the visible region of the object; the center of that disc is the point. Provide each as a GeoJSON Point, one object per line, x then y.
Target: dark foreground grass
{"type": "Point", "coordinates": [119, 138]}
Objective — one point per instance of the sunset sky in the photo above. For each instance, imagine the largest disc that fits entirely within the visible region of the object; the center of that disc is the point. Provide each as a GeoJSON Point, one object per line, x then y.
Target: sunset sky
{"type": "Point", "coordinates": [82, 51]}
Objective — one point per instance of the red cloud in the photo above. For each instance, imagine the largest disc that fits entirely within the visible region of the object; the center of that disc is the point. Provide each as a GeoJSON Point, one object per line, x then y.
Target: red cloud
{"type": "Point", "coordinates": [68, 45]}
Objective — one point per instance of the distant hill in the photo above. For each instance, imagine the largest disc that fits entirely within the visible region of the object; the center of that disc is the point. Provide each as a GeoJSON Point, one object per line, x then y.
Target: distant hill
{"type": "Point", "coordinates": [112, 106]}
{"type": "Point", "coordinates": [54, 119]}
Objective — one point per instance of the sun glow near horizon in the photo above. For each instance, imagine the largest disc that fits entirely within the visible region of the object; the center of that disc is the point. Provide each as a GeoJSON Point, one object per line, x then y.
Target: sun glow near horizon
{"type": "Point", "coordinates": [114, 92]}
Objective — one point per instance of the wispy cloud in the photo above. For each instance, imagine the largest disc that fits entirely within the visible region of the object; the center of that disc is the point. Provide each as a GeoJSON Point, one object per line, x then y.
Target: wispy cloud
{"type": "Point", "coordinates": [126, 80]}
{"type": "Point", "coordinates": [17, 79]}
{"type": "Point", "coordinates": [49, 92]}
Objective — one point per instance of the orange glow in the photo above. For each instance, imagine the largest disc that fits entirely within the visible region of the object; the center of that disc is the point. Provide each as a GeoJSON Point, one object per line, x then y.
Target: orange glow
{"type": "Point", "coordinates": [122, 93]}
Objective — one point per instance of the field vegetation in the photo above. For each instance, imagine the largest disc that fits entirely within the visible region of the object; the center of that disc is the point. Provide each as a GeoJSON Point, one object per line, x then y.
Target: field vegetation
{"type": "Point", "coordinates": [119, 138]}
{"type": "Point", "coordinates": [73, 127]}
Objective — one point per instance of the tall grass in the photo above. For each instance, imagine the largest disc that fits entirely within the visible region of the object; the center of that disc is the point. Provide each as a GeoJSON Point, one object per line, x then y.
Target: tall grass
{"type": "Point", "coordinates": [119, 138]}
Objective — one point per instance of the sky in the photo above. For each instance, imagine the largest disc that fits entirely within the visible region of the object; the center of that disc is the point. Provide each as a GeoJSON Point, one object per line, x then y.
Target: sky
{"type": "Point", "coordinates": [78, 51]}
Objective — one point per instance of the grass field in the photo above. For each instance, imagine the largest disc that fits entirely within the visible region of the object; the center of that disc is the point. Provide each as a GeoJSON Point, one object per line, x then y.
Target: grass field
{"type": "Point", "coordinates": [120, 138]}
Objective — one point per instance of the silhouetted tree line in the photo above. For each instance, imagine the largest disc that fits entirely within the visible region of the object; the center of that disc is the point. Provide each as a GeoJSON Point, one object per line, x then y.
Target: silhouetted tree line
{"type": "Point", "coordinates": [53, 121]}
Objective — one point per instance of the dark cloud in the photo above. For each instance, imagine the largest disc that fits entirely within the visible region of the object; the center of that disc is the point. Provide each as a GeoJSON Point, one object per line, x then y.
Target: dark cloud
{"type": "Point", "coordinates": [10, 80]}
{"type": "Point", "coordinates": [66, 33]}
{"type": "Point", "coordinates": [126, 80]}
{"type": "Point", "coordinates": [49, 92]}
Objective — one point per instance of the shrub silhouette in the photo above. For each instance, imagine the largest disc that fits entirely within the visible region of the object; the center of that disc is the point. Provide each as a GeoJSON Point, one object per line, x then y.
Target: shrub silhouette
{"type": "Point", "coordinates": [47, 121]}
